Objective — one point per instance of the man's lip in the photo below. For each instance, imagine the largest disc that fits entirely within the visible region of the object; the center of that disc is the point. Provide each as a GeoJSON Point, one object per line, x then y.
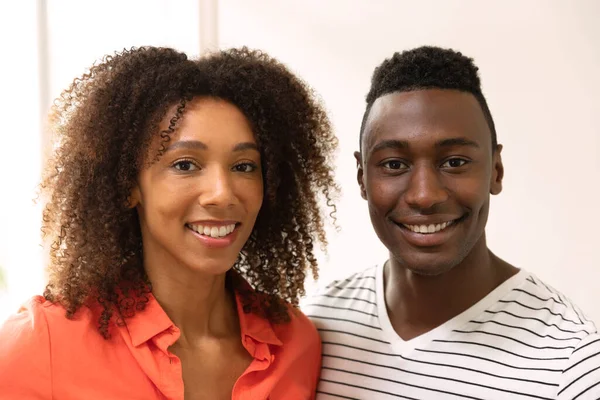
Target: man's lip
{"type": "Point", "coordinates": [429, 220]}
{"type": "Point", "coordinates": [423, 240]}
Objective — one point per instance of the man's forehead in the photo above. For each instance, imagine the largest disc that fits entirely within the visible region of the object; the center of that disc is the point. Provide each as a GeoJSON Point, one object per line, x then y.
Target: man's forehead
{"type": "Point", "coordinates": [408, 114]}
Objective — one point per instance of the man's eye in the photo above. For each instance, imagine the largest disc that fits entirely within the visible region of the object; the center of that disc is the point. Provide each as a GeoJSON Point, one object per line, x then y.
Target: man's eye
{"type": "Point", "coordinates": [184, 165]}
{"type": "Point", "coordinates": [394, 164]}
{"type": "Point", "coordinates": [454, 163]}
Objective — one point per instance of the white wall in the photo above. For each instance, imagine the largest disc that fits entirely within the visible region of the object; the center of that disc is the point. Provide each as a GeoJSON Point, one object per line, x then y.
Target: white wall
{"type": "Point", "coordinates": [540, 68]}
{"type": "Point", "coordinates": [43, 50]}
{"type": "Point", "coordinates": [20, 255]}
{"type": "Point", "coordinates": [79, 35]}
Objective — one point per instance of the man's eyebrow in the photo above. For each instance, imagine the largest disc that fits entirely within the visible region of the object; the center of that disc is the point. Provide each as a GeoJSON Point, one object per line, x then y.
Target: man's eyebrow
{"type": "Point", "coordinates": [395, 144]}
{"type": "Point", "coordinates": [458, 141]}
{"type": "Point", "coordinates": [390, 144]}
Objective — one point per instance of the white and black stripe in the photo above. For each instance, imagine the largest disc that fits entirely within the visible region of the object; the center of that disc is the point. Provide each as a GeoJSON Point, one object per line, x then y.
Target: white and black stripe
{"type": "Point", "coordinates": [524, 340]}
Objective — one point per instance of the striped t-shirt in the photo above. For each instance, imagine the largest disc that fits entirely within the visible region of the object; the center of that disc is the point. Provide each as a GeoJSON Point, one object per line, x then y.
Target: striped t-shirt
{"type": "Point", "coordinates": [524, 340]}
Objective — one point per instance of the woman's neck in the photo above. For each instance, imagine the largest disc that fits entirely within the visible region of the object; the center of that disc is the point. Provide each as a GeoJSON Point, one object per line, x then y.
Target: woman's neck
{"type": "Point", "coordinates": [199, 304]}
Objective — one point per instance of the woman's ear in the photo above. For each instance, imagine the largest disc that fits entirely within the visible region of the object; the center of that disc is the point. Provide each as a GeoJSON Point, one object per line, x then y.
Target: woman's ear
{"type": "Point", "coordinates": [134, 198]}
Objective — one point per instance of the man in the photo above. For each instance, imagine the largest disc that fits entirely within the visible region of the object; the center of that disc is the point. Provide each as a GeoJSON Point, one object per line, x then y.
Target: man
{"type": "Point", "coordinates": [443, 317]}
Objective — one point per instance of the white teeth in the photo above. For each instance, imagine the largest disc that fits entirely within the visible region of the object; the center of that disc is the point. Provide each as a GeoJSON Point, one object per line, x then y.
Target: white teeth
{"type": "Point", "coordinates": [432, 228]}
{"type": "Point", "coordinates": [213, 231]}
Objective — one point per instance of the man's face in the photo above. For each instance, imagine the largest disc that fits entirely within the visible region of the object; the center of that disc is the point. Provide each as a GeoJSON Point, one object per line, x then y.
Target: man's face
{"type": "Point", "coordinates": [427, 170]}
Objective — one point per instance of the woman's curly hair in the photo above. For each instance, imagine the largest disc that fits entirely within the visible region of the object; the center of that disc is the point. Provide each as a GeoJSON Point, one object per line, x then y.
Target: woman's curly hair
{"type": "Point", "coordinates": [103, 125]}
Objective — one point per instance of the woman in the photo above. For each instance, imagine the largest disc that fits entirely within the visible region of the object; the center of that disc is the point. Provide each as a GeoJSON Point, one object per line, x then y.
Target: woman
{"type": "Point", "coordinates": [182, 211]}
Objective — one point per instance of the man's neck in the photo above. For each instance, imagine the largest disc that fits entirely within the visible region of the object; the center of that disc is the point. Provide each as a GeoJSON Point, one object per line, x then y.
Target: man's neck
{"type": "Point", "coordinates": [417, 304]}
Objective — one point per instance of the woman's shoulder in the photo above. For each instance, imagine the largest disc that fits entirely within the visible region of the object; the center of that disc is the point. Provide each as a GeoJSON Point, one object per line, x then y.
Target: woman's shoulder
{"type": "Point", "coordinates": [298, 332]}
{"type": "Point", "coordinates": [30, 320]}
{"type": "Point", "coordinates": [38, 319]}
{"type": "Point", "coordinates": [27, 324]}
{"type": "Point", "coordinates": [40, 341]}
{"type": "Point", "coordinates": [299, 357]}
{"type": "Point", "coordinates": [39, 309]}
{"type": "Point", "coordinates": [25, 337]}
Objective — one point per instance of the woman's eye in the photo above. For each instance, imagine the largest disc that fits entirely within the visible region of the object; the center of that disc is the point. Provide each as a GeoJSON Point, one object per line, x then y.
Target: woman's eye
{"type": "Point", "coordinates": [184, 166]}
{"type": "Point", "coordinates": [454, 163]}
{"type": "Point", "coordinates": [245, 167]}
{"type": "Point", "coordinates": [394, 164]}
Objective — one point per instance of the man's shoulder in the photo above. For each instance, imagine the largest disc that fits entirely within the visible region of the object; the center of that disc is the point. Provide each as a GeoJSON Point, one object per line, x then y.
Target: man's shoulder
{"type": "Point", "coordinates": [350, 300]}
{"type": "Point", "coordinates": [350, 284]}
{"type": "Point", "coordinates": [534, 300]}
{"type": "Point", "coordinates": [564, 327]}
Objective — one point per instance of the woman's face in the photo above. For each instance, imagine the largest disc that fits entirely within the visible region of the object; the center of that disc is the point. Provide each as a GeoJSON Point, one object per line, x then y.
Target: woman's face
{"type": "Point", "coordinates": [198, 203]}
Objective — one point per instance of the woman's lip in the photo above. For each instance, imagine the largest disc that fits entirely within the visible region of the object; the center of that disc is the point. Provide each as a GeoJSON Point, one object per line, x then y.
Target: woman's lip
{"type": "Point", "coordinates": [218, 242]}
{"type": "Point", "coordinates": [212, 222]}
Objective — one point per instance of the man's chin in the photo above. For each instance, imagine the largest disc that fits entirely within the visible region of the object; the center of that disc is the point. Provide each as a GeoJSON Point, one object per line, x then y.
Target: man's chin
{"type": "Point", "coordinates": [428, 265]}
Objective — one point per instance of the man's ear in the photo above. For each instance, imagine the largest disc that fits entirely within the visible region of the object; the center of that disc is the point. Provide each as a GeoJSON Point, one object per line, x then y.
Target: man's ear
{"type": "Point", "coordinates": [497, 171]}
{"type": "Point", "coordinates": [360, 174]}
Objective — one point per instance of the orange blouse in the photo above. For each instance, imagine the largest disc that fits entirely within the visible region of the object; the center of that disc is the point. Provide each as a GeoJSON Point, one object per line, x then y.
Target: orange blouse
{"type": "Point", "coordinates": [44, 355]}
